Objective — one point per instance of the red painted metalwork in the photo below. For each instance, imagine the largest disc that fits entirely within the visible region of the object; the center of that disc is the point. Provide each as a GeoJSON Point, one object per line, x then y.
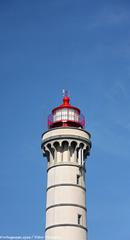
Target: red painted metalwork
{"type": "Point", "coordinates": [66, 104]}
{"type": "Point", "coordinates": [66, 115]}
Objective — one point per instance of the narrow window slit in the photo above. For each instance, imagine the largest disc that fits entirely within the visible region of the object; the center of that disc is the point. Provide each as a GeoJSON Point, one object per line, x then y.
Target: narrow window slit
{"type": "Point", "coordinates": [78, 179]}
{"type": "Point", "coordinates": [79, 219]}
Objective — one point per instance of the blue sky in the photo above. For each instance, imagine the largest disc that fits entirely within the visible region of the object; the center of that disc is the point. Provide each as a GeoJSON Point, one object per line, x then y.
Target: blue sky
{"type": "Point", "coordinates": [82, 46]}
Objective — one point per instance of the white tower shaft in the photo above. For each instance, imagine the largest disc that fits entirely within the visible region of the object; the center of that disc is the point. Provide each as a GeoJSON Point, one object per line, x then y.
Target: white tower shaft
{"type": "Point", "coordinates": [66, 149]}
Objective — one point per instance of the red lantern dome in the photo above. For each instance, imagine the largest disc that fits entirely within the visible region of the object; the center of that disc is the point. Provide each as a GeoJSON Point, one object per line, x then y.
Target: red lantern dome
{"type": "Point", "coordinates": [66, 115]}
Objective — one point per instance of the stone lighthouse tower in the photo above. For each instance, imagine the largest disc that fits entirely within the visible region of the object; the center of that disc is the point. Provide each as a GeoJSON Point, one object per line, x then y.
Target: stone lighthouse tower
{"type": "Point", "coordinates": [66, 145]}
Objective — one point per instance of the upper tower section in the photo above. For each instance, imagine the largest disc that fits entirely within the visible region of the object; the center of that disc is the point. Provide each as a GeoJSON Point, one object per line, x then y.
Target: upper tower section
{"type": "Point", "coordinates": [66, 115]}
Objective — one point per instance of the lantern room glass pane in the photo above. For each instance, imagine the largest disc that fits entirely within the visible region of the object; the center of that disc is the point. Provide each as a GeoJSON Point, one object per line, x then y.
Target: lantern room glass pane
{"type": "Point", "coordinates": [57, 116]}
{"type": "Point", "coordinates": [66, 114]}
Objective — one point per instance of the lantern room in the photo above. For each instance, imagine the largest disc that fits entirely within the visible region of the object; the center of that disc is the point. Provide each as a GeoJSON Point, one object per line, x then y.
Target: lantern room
{"type": "Point", "coordinates": [66, 115]}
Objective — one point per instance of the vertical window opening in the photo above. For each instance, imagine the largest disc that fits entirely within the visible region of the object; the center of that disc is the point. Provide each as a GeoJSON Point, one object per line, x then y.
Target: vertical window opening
{"type": "Point", "coordinates": [79, 218]}
{"type": "Point", "coordinates": [78, 179]}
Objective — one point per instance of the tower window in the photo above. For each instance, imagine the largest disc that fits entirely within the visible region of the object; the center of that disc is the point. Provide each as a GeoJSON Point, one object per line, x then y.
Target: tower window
{"type": "Point", "coordinates": [78, 179]}
{"type": "Point", "coordinates": [79, 218]}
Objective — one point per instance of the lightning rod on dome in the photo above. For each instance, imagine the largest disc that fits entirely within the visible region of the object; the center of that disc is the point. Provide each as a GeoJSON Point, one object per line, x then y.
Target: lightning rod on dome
{"type": "Point", "coordinates": [65, 93]}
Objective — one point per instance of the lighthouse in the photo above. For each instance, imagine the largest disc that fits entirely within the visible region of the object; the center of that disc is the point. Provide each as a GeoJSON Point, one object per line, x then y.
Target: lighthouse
{"type": "Point", "coordinates": [66, 145]}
